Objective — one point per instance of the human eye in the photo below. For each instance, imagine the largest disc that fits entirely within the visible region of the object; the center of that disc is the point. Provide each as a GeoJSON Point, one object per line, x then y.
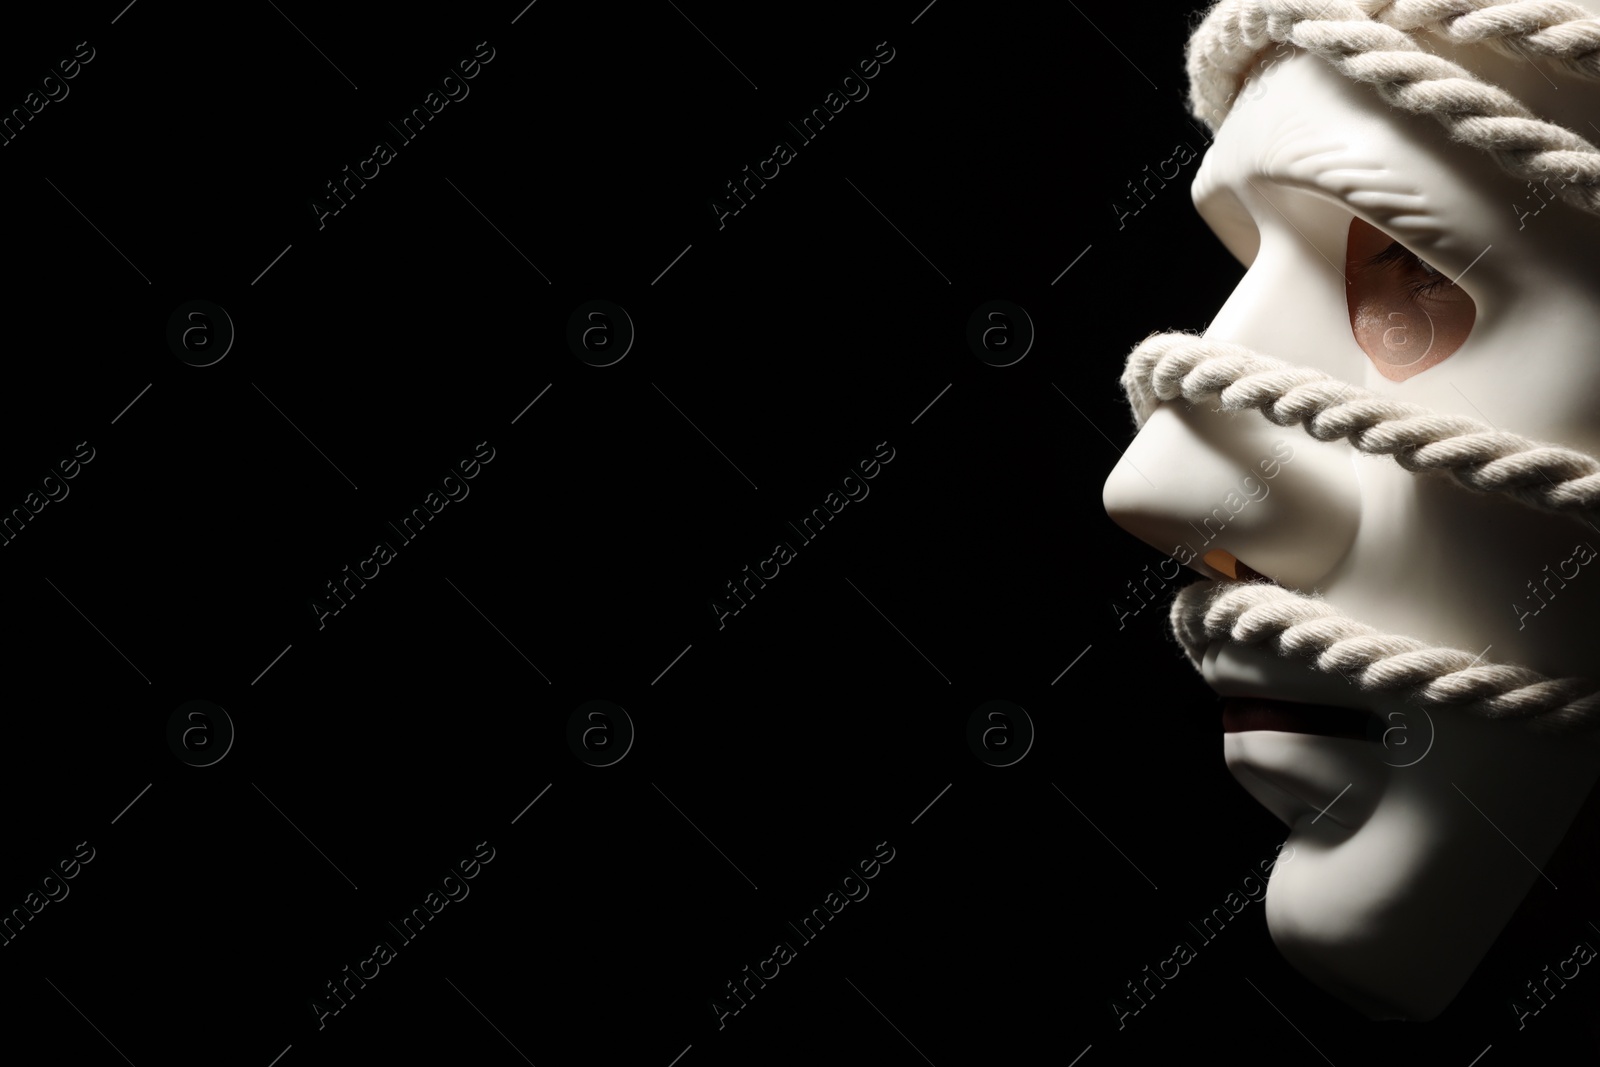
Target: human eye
{"type": "Point", "coordinates": [1406, 314]}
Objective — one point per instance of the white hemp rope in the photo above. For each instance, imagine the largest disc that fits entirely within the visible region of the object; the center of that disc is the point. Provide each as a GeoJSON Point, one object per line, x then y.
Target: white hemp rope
{"type": "Point", "coordinates": [1169, 366]}
{"type": "Point", "coordinates": [1433, 676]}
{"type": "Point", "coordinates": [1172, 366]}
{"type": "Point", "coordinates": [1371, 41]}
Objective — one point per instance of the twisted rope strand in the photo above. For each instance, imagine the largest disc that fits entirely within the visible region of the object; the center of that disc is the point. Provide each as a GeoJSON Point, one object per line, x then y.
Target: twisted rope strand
{"type": "Point", "coordinates": [1167, 366]}
{"type": "Point", "coordinates": [1294, 624]}
{"type": "Point", "coordinates": [1521, 28]}
{"type": "Point", "coordinates": [1371, 41]}
{"type": "Point", "coordinates": [1377, 51]}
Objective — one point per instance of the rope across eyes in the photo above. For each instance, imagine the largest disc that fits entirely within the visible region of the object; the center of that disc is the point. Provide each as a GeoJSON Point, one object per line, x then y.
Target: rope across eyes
{"type": "Point", "coordinates": [1172, 366]}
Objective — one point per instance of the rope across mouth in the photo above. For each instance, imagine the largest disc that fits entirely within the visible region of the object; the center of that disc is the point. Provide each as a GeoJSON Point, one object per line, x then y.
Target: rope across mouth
{"type": "Point", "coordinates": [1435, 676]}
{"type": "Point", "coordinates": [1175, 366]}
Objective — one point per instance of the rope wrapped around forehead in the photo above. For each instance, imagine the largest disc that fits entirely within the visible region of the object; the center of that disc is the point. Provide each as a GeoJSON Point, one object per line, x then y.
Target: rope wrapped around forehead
{"type": "Point", "coordinates": [1377, 42]}
{"type": "Point", "coordinates": [1374, 41]}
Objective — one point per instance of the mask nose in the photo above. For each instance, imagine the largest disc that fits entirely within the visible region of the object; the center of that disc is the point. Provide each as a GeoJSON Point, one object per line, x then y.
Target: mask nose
{"type": "Point", "coordinates": [1197, 480]}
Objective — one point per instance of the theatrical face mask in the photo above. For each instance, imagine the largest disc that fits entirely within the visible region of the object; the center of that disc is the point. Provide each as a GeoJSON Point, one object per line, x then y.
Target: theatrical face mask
{"type": "Point", "coordinates": [1408, 267]}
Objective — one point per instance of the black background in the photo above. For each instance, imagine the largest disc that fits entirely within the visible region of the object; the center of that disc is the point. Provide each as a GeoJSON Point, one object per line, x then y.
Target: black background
{"type": "Point", "coordinates": [777, 751]}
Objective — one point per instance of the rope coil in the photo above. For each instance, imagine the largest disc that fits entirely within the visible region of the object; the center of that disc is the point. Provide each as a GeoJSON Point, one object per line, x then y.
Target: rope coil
{"type": "Point", "coordinates": [1372, 41]}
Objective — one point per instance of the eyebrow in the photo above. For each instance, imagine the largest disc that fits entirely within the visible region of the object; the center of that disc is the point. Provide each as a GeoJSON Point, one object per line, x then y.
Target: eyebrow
{"type": "Point", "coordinates": [1296, 159]}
